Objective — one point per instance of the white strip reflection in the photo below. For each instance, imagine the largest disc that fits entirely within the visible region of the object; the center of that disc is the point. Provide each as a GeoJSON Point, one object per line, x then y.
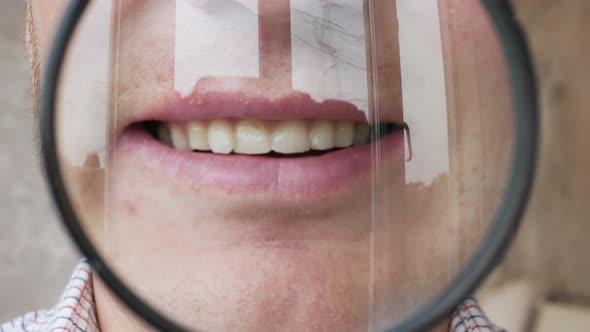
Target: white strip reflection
{"type": "Point", "coordinates": [82, 103]}
{"type": "Point", "coordinates": [329, 50]}
{"type": "Point", "coordinates": [214, 38]}
{"type": "Point", "coordinates": [423, 88]}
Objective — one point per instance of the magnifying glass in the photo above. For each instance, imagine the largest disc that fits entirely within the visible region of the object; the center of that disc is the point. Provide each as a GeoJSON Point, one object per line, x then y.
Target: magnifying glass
{"type": "Point", "coordinates": [290, 165]}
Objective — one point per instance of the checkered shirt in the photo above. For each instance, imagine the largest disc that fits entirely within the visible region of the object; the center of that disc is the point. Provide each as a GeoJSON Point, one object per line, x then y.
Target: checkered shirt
{"type": "Point", "coordinates": [75, 312]}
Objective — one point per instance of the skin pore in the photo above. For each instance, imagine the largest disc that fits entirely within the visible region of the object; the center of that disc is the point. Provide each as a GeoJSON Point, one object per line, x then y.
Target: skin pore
{"type": "Point", "coordinates": [230, 257]}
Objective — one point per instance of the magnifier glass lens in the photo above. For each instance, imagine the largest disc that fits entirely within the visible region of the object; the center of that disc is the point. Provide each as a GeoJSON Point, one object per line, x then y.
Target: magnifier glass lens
{"type": "Point", "coordinates": [285, 165]}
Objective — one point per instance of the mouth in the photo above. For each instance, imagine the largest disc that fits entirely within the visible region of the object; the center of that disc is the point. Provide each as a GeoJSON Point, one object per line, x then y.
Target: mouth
{"type": "Point", "coordinates": [280, 147]}
{"type": "Point", "coordinates": [295, 138]}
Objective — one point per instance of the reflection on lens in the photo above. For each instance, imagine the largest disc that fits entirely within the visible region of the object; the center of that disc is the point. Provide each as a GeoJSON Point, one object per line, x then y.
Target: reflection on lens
{"type": "Point", "coordinates": [285, 165]}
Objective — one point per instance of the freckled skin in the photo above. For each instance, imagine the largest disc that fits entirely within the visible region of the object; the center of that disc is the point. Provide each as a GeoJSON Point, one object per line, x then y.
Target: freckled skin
{"type": "Point", "coordinates": [228, 260]}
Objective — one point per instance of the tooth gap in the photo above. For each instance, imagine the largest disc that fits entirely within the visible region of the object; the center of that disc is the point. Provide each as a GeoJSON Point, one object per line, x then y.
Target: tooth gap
{"type": "Point", "coordinates": [152, 128]}
{"type": "Point", "coordinates": [383, 129]}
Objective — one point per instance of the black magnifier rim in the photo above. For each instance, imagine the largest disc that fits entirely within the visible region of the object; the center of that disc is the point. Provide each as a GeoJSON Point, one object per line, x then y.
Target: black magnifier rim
{"type": "Point", "coordinates": [488, 256]}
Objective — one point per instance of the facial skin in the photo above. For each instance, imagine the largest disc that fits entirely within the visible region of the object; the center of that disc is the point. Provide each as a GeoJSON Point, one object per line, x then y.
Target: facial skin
{"type": "Point", "coordinates": [219, 251]}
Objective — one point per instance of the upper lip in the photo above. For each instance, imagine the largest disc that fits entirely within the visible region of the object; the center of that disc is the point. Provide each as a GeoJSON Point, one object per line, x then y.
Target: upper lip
{"type": "Point", "coordinates": [205, 103]}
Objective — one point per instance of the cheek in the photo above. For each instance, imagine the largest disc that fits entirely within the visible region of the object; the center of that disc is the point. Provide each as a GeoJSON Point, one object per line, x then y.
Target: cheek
{"type": "Point", "coordinates": [46, 17]}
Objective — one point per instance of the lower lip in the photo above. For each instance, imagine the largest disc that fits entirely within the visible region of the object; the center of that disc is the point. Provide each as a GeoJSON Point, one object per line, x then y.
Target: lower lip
{"type": "Point", "coordinates": [307, 177]}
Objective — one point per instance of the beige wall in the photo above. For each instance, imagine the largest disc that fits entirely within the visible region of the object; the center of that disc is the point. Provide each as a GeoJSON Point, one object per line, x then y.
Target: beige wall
{"type": "Point", "coordinates": [553, 245]}
{"type": "Point", "coordinates": [36, 257]}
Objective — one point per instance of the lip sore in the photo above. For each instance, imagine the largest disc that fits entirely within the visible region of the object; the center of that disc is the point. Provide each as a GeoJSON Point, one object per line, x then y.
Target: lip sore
{"type": "Point", "coordinates": [303, 177]}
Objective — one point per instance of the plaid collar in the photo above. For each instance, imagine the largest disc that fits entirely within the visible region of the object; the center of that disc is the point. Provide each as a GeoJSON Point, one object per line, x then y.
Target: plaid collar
{"type": "Point", "coordinates": [75, 312]}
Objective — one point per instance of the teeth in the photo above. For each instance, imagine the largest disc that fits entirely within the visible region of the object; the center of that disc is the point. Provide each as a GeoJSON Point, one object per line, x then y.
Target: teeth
{"type": "Point", "coordinates": [252, 137]}
{"type": "Point", "coordinates": [179, 140]}
{"type": "Point", "coordinates": [361, 134]}
{"type": "Point", "coordinates": [344, 135]}
{"type": "Point", "coordinates": [249, 136]}
{"type": "Point", "coordinates": [164, 135]}
{"type": "Point", "coordinates": [221, 137]}
{"type": "Point", "coordinates": [321, 135]}
{"type": "Point", "coordinates": [198, 135]}
{"type": "Point", "coordinates": [290, 137]}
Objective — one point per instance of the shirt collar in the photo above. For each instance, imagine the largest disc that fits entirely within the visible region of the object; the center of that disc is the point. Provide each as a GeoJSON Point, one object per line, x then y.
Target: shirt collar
{"type": "Point", "coordinates": [75, 311]}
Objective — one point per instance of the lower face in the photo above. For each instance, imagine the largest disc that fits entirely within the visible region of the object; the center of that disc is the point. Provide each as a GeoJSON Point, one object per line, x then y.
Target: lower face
{"type": "Point", "coordinates": [253, 240]}
{"type": "Point", "coordinates": [331, 254]}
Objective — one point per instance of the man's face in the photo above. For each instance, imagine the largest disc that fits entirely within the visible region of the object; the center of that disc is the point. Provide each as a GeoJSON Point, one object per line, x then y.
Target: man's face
{"type": "Point", "coordinates": [308, 224]}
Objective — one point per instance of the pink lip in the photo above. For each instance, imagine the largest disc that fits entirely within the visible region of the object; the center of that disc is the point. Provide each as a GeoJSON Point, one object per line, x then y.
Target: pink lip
{"type": "Point", "coordinates": [303, 177]}
{"type": "Point", "coordinates": [209, 104]}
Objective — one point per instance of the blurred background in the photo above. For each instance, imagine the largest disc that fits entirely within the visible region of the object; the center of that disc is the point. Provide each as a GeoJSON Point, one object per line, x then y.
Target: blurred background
{"type": "Point", "coordinates": [36, 256]}
{"type": "Point", "coordinates": [542, 285]}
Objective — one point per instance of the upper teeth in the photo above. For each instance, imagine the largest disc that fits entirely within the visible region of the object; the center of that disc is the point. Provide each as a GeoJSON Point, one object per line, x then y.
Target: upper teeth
{"type": "Point", "coordinates": [249, 136]}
